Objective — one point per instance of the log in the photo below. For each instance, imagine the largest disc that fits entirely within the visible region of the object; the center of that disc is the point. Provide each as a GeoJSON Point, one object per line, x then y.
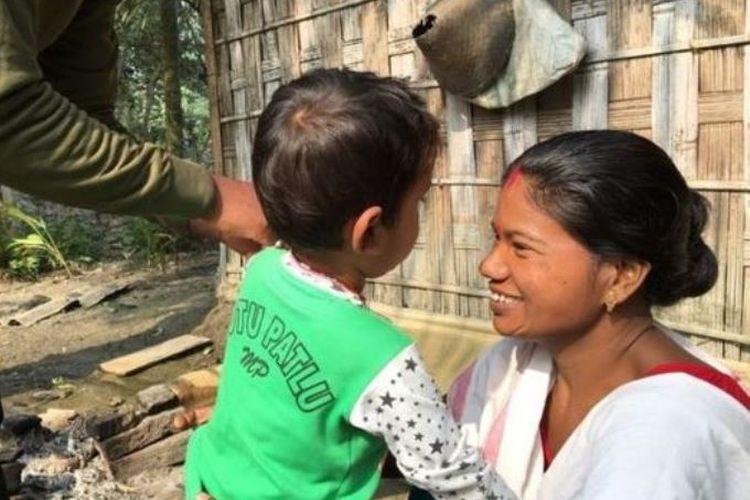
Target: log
{"type": "Point", "coordinates": [197, 388]}
{"type": "Point", "coordinates": [104, 426]}
{"type": "Point", "coordinates": [167, 452]}
{"type": "Point", "coordinates": [150, 430]}
{"type": "Point", "coordinates": [157, 398]}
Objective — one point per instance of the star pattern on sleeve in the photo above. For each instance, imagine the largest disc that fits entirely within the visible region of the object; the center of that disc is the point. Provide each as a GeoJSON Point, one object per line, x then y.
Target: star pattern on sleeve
{"type": "Point", "coordinates": [404, 406]}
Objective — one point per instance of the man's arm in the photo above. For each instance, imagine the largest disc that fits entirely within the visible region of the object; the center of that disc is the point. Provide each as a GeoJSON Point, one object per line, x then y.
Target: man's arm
{"type": "Point", "coordinates": [52, 149]}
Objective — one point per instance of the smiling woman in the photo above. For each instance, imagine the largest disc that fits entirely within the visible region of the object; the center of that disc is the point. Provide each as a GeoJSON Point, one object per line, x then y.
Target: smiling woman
{"type": "Point", "coordinates": [592, 398]}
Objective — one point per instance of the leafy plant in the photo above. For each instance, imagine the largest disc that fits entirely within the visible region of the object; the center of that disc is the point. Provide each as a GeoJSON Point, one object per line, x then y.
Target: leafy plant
{"type": "Point", "coordinates": [77, 239]}
{"type": "Point", "coordinates": [28, 255]}
{"type": "Point", "coordinates": [149, 242]}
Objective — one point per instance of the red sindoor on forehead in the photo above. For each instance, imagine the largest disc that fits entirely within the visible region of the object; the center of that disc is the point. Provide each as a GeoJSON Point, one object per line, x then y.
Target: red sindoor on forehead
{"type": "Point", "coordinates": [514, 177]}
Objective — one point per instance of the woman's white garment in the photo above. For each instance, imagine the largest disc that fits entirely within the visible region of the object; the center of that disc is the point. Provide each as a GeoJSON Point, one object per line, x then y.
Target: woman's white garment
{"type": "Point", "coordinates": [669, 436]}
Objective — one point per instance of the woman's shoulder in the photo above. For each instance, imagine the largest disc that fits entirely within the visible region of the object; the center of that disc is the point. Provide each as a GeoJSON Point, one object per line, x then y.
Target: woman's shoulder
{"type": "Point", "coordinates": [666, 436]}
{"type": "Point", "coordinates": [672, 404]}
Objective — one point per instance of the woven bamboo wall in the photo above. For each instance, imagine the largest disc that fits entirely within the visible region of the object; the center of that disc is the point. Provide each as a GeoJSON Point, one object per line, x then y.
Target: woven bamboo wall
{"type": "Point", "coordinates": [671, 70]}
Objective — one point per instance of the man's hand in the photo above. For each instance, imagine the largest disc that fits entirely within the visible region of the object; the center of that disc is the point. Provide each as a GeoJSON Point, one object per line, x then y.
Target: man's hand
{"type": "Point", "coordinates": [237, 219]}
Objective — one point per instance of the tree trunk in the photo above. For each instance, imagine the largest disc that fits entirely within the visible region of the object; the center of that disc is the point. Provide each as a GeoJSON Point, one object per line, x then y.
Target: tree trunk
{"type": "Point", "coordinates": [172, 93]}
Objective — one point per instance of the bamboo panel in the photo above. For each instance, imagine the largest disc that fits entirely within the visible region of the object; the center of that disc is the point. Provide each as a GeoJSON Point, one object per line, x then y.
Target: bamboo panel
{"type": "Point", "coordinates": [421, 70]}
{"type": "Point", "coordinates": [590, 87]}
{"type": "Point", "coordinates": [632, 114]}
{"type": "Point", "coordinates": [351, 34]}
{"type": "Point", "coordinates": [461, 163]}
{"type": "Point", "coordinates": [328, 29]}
{"type": "Point", "coordinates": [375, 38]}
{"type": "Point", "coordinates": [720, 18]}
{"type": "Point", "coordinates": [249, 60]}
{"type": "Point", "coordinates": [401, 18]}
{"type": "Point", "coordinates": [418, 264]}
{"type": "Point", "coordinates": [439, 234]}
{"type": "Point", "coordinates": [309, 50]}
{"type": "Point", "coordinates": [721, 70]}
{"type": "Point", "coordinates": [629, 26]}
{"type": "Point", "coordinates": [670, 70]}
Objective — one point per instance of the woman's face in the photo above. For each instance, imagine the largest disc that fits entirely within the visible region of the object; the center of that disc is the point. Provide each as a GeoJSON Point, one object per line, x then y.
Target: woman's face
{"type": "Point", "coordinates": [543, 282]}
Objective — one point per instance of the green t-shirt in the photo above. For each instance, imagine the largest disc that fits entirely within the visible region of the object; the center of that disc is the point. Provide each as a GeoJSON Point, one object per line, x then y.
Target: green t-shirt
{"type": "Point", "coordinates": [297, 359]}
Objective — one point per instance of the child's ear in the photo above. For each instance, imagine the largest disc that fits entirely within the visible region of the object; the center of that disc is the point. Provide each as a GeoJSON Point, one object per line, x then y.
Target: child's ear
{"type": "Point", "coordinates": [365, 230]}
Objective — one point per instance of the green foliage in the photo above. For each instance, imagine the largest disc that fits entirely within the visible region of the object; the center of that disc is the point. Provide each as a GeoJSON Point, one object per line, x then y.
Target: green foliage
{"type": "Point", "coordinates": [32, 251]}
{"type": "Point", "coordinates": [149, 243]}
{"type": "Point", "coordinates": [140, 106]}
{"type": "Point", "coordinates": [77, 240]}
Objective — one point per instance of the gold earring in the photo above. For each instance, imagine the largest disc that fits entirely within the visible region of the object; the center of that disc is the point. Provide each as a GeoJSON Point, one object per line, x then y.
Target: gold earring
{"type": "Point", "coordinates": [610, 302]}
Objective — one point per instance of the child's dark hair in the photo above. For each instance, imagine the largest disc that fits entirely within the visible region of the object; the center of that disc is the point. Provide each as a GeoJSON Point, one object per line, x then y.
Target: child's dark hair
{"type": "Point", "coordinates": [620, 195]}
{"type": "Point", "coordinates": [334, 142]}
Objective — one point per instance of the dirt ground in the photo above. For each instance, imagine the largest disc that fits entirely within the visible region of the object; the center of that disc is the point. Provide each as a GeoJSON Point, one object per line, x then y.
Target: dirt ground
{"type": "Point", "coordinates": [54, 363]}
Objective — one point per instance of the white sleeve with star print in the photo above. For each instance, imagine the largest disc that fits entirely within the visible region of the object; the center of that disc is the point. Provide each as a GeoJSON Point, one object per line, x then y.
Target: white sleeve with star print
{"type": "Point", "coordinates": [403, 405]}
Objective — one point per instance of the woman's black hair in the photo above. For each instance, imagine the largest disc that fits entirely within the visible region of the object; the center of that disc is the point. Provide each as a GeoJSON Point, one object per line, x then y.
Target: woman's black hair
{"type": "Point", "coordinates": [334, 142]}
{"type": "Point", "coordinates": [621, 196]}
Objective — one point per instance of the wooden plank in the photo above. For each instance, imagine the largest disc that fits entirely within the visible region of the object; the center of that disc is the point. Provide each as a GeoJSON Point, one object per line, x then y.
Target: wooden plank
{"type": "Point", "coordinates": [96, 294]}
{"type": "Point", "coordinates": [169, 451]}
{"type": "Point", "coordinates": [131, 363]}
{"type": "Point", "coordinates": [44, 311]}
{"type": "Point", "coordinates": [149, 430]}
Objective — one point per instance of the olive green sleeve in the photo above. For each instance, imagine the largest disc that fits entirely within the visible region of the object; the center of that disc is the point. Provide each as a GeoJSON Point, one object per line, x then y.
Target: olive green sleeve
{"type": "Point", "coordinates": [52, 149]}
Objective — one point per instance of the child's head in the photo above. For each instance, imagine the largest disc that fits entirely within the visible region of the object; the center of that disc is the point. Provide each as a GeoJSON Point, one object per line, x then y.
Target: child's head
{"type": "Point", "coordinates": [334, 145]}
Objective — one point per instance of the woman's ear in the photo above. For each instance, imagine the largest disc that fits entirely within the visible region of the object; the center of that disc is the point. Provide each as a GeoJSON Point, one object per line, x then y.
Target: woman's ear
{"type": "Point", "coordinates": [628, 278]}
{"type": "Point", "coordinates": [366, 230]}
